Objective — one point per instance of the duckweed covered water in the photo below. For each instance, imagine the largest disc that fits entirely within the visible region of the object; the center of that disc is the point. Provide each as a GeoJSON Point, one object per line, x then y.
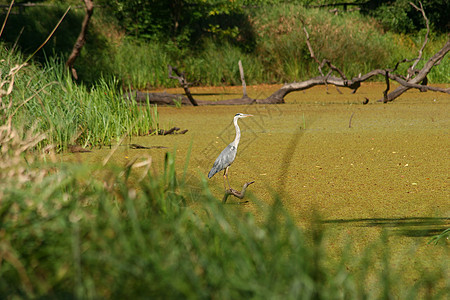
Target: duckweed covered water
{"type": "Point", "coordinates": [363, 168]}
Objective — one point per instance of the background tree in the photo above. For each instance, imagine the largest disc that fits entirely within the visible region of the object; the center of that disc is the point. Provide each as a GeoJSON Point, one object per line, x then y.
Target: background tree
{"type": "Point", "coordinates": [181, 21]}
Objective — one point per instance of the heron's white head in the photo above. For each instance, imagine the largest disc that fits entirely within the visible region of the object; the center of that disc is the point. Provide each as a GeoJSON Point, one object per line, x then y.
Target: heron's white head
{"type": "Point", "coordinates": [241, 115]}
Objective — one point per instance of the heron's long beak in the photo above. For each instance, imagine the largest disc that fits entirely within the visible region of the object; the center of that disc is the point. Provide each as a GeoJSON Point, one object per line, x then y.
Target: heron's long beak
{"type": "Point", "coordinates": [245, 116]}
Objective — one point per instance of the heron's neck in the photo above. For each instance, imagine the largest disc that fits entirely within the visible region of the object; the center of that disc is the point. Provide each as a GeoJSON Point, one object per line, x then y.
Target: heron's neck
{"type": "Point", "coordinates": [238, 133]}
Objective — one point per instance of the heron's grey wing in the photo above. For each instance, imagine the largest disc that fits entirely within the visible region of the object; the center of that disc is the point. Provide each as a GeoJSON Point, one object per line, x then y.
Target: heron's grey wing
{"type": "Point", "coordinates": [225, 158]}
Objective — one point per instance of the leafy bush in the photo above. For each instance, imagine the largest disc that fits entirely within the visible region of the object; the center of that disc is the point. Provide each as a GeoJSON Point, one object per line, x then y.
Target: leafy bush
{"type": "Point", "coordinates": [350, 42]}
{"type": "Point", "coordinates": [182, 22]}
{"type": "Point", "coordinates": [399, 16]}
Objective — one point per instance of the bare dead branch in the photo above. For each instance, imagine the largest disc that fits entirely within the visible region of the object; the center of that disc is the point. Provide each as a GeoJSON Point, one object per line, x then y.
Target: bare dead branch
{"type": "Point", "coordinates": [421, 76]}
{"type": "Point", "coordinates": [236, 193]}
{"type": "Point", "coordinates": [323, 63]}
{"type": "Point", "coordinates": [386, 78]}
{"type": "Point", "coordinates": [244, 86]}
{"type": "Point", "coordinates": [411, 70]}
{"type": "Point", "coordinates": [183, 82]}
{"type": "Point", "coordinates": [334, 68]}
{"type": "Point", "coordinates": [402, 61]}
{"type": "Point", "coordinates": [311, 51]}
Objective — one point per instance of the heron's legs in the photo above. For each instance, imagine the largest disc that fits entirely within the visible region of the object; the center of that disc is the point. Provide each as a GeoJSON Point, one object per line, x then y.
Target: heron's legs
{"type": "Point", "coordinates": [225, 176]}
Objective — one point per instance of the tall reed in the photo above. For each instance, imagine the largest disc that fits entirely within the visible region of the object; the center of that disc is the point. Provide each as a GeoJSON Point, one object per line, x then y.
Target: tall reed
{"type": "Point", "coordinates": [46, 97]}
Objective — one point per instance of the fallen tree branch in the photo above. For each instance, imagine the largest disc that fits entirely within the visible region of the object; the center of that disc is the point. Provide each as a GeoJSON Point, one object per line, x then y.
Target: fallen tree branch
{"type": "Point", "coordinates": [278, 96]}
{"type": "Point", "coordinates": [157, 98]}
{"type": "Point", "coordinates": [420, 77]}
{"type": "Point", "coordinates": [236, 193]}
{"type": "Point", "coordinates": [173, 130]}
{"type": "Point", "coordinates": [137, 146]}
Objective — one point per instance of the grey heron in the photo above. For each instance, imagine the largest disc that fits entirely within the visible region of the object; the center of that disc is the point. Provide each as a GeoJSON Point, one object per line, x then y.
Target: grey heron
{"type": "Point", "coordinates": [227, 156]}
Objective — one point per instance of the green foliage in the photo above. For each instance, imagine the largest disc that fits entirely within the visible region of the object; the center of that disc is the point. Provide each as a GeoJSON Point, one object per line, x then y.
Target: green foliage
{"type": "Point", "coordinates": [29, 27]}
{"type": "Point", "coordinates": [277, 51]}
{"type": "Point", "coordinates": [215, 65]}
{"type": "Point", "coordinates": [212, 36]}
{"type": "Point", "coordinates": [400, 16]}
{"type": "Point", "coordinates": [181, 21]}
{"type": "Point", "coordinates": [186, 20]}
{"type": "Point", "coordinates": [348, 41]}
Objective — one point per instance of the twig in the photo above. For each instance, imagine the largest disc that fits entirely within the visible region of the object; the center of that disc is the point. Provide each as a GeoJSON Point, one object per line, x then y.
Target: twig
{"type": "Point", "coordinates": [402, 61]}
{"type": "Point", "coordinates": [236, 193]}
{"type": "Point", "coordinates": [244, 86]}
{"type": "Point", "coordinates": [6, 18]}
{"type": "Point", "coordinates": [411, 70]}
{"type": "Point", "coordinates": [50, 35]}
{"type": "Point", "coordinates": [350, 122]}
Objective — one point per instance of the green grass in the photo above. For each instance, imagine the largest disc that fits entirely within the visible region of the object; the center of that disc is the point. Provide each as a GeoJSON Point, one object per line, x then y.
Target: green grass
{"type": "Point", "coordinates": [45, 97]}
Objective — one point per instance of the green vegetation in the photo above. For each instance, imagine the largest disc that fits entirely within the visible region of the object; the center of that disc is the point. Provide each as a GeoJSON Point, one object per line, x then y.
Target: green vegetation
{"type": "Point", "coordinates": [90, 231]}
{"type": "Point", "coordinates": [208, 38]}
{"type": "Point", "coordinates": [45, 98]}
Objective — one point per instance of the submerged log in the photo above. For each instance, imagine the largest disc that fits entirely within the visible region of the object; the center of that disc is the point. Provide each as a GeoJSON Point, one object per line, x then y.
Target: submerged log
{"type": "Point", "coordinates": [137, 146]}
{"type": "Point", "coordinates": [173, 130]}
{"type": "Point", "coordinates": [157, 98]}
{"type": "Point", "coordinates": [77, 149]}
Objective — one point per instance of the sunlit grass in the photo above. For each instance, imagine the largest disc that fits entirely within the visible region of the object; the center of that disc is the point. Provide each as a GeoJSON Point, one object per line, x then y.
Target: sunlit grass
{"type": "Point", "coordinates": [48, 99]}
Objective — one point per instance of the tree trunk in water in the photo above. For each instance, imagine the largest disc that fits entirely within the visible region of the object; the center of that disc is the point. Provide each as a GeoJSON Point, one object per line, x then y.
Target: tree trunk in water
{"type": "Point", "coordinates": [81, 40]}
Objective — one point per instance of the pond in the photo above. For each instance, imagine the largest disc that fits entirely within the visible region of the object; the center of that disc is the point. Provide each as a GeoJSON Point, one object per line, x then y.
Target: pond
{"type": "Point", "coordinates": [362, 168]}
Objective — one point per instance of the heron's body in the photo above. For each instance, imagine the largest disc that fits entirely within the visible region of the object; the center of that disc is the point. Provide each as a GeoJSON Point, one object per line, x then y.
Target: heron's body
{"type": "Point", "coordinates": [227, 156]}
{"type": "Point", "coordinates": [224, 160]}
